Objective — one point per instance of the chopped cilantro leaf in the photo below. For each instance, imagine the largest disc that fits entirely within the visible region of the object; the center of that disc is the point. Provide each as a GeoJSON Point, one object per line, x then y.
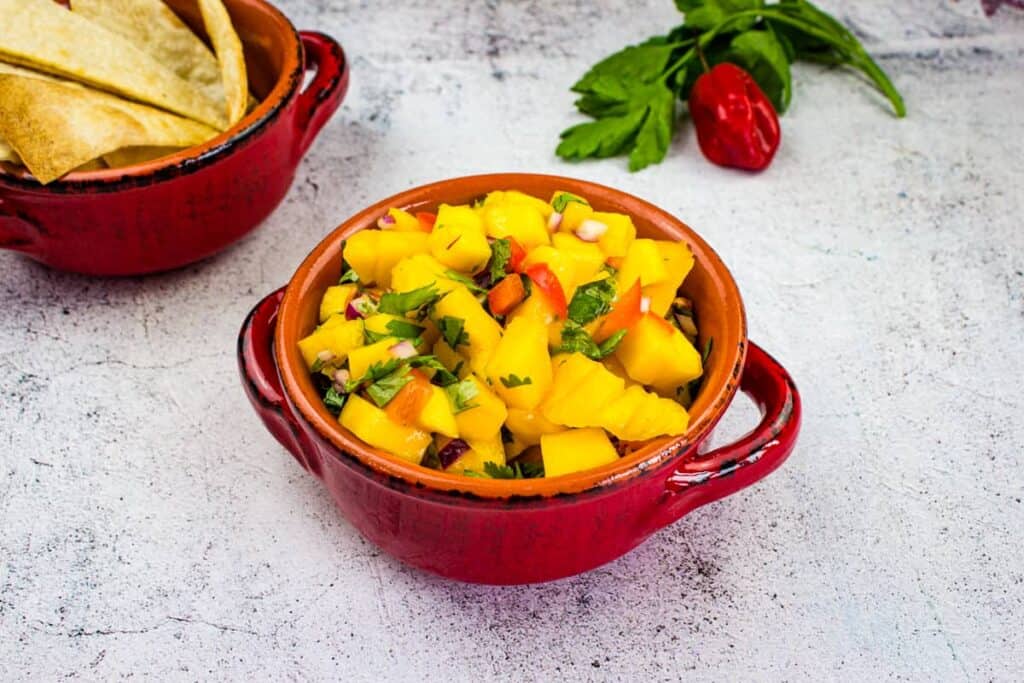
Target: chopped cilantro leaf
{"type": "Point", "coordinates": [501, 254]}
{"type": "Point", "coordinates": [385, 388]}
{"type": "Point", "coordinates": [563, 199]}
{"type": "Point", "coordinates": [400, 303]}
{"type": "Point", "coordinates": [470, 284]}
{"type": "Point", "coordinates": [608, 346]}
{"type": "Point", "coordinates": [373, 373]}
{"type": "Point", "coordinates": [348, 276]}
{"type": "Point", "coordinates": [443, 377]}
{"type": "Point", "coordinates": [372, 337]}
{"type": "Point", "coordinates": [452, 329]}
{"type": "Point", "coordinates": [513, 381]}
{"type": "Point", "coordinates": [334, 401]}
{"type": "Point", "coordinates": [318, 365]}
{"type": "Point", "coordinates": [404, 329]}
{"type": "Point", "coordinates": [591, 300]}
{"type": "Point", "coordinates": [517, 470]}
{"type": "Point", "coordinates": [575, 339]}
{"type": "Point", "coordinates": [461, 393]}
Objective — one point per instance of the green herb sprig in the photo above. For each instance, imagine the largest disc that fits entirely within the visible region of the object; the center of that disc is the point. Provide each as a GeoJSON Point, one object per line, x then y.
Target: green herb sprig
{"type": "Point", "coordinates": [632, 94]}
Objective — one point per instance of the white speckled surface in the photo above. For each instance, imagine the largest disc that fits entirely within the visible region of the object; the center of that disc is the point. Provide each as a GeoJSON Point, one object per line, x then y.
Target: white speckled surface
{"type": "Point", "coordinates": [150, 526]}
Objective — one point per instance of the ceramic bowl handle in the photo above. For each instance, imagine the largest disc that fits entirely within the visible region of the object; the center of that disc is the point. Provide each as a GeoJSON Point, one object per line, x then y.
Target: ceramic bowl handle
{"type": "Point", "coordinates": [16, 232]}
{"type": "Point", "coordinates": [324, 94]}
{"type": "Point", "coordinates": [710, 476]}
{"type": "Point", "coordinates": [263, 385]}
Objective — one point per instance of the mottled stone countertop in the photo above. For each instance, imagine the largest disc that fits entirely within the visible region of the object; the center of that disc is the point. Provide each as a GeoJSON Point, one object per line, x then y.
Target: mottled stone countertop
{"type": "Point", "coordinates": [150, 526]}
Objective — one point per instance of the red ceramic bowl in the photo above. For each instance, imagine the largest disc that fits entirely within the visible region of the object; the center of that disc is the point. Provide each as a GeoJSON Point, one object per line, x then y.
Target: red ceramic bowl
{"type": "Point", "coordinates": [502, 531]}
{"type": "Point", "coordinates": [172, 211]}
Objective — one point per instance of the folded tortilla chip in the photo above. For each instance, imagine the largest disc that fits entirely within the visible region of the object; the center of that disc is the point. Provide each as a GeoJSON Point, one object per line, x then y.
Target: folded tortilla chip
{"type": "Point", "coordinates": [228, 47]}
{"type": "Point", "coordinates": [56, 127]}
{"type": "Point", "coordinates": [7, 153]}
{"type": "Point", "coordinates": [45, 36]}
{"type": "Point", "coordinates": [129, 156]}
{"type": "Point", "coordinates": [152, 27]}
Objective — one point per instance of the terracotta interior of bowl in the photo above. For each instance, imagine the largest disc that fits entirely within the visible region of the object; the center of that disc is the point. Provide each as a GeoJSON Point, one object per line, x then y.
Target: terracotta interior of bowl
{"type": "Point", "coordinates": [268, 40]}
{"type": "Point", "coordinates": [709, 285]}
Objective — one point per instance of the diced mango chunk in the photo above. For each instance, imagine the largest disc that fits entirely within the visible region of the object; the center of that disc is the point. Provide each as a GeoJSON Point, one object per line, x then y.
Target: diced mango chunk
{"type": "Point", "coordinates": [587, 257]}
{"type": "Point", "coordinates": [372, 425]}
{"type": "Point", "coordinates": [678, 261]}
{"type": "Point", "coordinates": [335, 300]}
{"type": "Point", "coordinates": [337, 337]}
{"type": "Point", "coordinates": [520, 369]}
{"type": "Point", "coordinates": [373, 253]}
{"type": "Point", "coordinates": [418, 271]}
{"type": "Point", "coordinates": [574, 215]}
{"type": "Point", "coordinates": [579, 390]}
{"type": "Point", "coordinates": [403, 221]}
{"type": "Point", "coordinates": [639, 415]}
{"type": "Point", "coordinates": [620, 233]}
{"type": "Point", "coordinates": [437, 415]}
{"type": "Point", "coordinates": [458, 240]}
{"type": "Point", "coordinates": [480, 451]}
{"type": "Point", "coordinates": [527, 426]}
{"type": "Point", "coordinates": [521, 221]}
{"type": "Point", "coordinates": [643, 262]}
{"type": "Point", "coordinates": [484, 420]}
{"type": "Point", "coordinates": [576, 450]}
{"type": "Point", "coordinates": [560, 263]}
{"type": "Point", "coordinates": [483, 330]}
{"type": "Point", "coordinates": [360, 360]}
{"type": "Point", "coordinates": [656, 354]}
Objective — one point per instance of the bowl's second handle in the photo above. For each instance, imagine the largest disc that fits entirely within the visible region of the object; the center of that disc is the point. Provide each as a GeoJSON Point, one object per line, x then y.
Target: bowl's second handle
{"type": "Point", "coordinates": [710, 476]}
{"type": "Point", "coordinates": [322, 97]}
{"type": "Point", "coordinates": [16, 232]}
{"type": "Point", "coordinates": [263, 385]}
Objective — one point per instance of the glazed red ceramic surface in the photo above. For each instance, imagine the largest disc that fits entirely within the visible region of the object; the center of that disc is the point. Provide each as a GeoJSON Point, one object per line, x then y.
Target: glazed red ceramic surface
{"type": "Point", "coordinates": [172, 211]}
{"type": "Point", "coordinates": [520, 531]}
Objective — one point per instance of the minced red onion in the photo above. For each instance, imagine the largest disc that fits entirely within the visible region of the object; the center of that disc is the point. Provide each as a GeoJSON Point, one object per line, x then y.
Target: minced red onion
{"type": "Point", "coordinates": [325, 355]}
{"type": "Point", "coordinates": [385, 221]}
{"type": "Point", "coordinates": [451, 452]}
{"type": "Point", "coordinates": [645, 304]}
{"type": "Point", "coordinates": [341, 376]}
{"type": "Point", "coordinates": [554, 221]}
{"type": "Point", "coordinates": [591, 230]}
{"type": "Point", "coordinates": [403, 349]}
{"type": "Point", "coordinates": [352, 311]}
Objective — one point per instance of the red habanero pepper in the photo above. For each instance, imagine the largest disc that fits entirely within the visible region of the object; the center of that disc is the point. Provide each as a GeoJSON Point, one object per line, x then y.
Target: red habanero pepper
{"type": "Point", "coordinates": [736, 124]}
{"type": "Point", "coordinates": [426, 220]}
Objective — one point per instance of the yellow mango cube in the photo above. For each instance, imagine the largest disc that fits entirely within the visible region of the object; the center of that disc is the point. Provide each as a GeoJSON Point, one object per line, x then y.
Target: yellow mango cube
{"type": "Point", "coordinates": [587, 257]}
{"type": "Point", "coordinates": [643, 262]}
{"type": "Point", "coordinates": [520, 369]}
{"type": "Point", "coordinates": [560, 263]}
{"type": "Point", "coordinates": [403, 221]}
{"type": "Point", "coordinates": [458, 240]}
{"type": "Point", "coordinates": [374, 253]}
{"type": "Point", "coordinates": [678, 261]}
{"type": "Point", "coordinates": [336, 300]}
{"type": "Point", "coordinates": [360, 360]}
{"type": "Point", "coordinates": [520, 221]}
{"type": "Point", "coordinates": [484, 420]}
{"type": "Point", "coordinates": [450, 358]}
{"type": "Point", "coordinates": [536, 308]}
{"type": "Point", "coordinates": [437, 415]}
{"type": "Point", "coordinates": [640, 415]}
{"type": "Point", "coordinates": [527, 426]}
{"type": "Point", "coordinates": [620, 233]}
{"type": "Point", "coordinates": [337, 337]}
{"type": "Point", "coordinates": [576, 450]}
{"type": "Point", "coordinates": [483, 330]}
{"type": "Point", "coordinates": [480, 451]}
{"type": "Point", "coordinates": [418, 271]}
{"type": "Point", "coordinates": [656, 354]}
{"type": "Point", "coordinates": [580, 389]}
{"type": "Point", "coordinates": [372, 425]}
{"type": "Point", "coordinates": [574, 215]}
{"type": "Point", "coordinates": [517, 197]}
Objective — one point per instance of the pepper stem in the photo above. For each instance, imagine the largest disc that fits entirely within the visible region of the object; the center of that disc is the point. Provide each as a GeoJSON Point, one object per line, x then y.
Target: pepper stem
{"type": "Point", "coordinates": [703, 60]}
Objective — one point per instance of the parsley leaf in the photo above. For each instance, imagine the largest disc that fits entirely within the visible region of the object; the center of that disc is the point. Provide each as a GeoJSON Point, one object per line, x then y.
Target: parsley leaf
{"type": "Point", "coordinates": [706, 14]}
{"type": "Point", "coordinates": [384, 389]}
{"type": "Point", "coordinates": [400, 303]}
{"type": "Point", "coordinates": [334, 401]}
{"type": "Point", "coordinates": [452, 331]}
{"type": "Point", "coordinates": [762, 55]}
{"type": "Point", "coordinates": [513, 381]}
{"type": "Point", "coordinates": [461, 394]}
{"type": "Point", "coordinates": [501, 254]}
{"type": "Point", "coordinates": [592, 300]}
{"type": "Point", "coordinates": [403, 329]}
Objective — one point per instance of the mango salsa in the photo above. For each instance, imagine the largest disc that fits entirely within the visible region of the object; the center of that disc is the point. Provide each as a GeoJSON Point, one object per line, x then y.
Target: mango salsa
{"type": "Point", "coordinates": [586, 354]}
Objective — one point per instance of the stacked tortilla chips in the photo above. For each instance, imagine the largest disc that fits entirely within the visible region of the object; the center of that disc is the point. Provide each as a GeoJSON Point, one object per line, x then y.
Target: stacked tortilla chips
{"type": "Point", "coordinates": [112, 83]}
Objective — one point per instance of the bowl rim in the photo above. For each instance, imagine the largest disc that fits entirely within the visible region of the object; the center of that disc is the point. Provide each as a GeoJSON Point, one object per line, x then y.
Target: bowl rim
{"type": "Point", "coordinates": [653, 455]}
{"type": "Point", "coordinates": [191, 159]}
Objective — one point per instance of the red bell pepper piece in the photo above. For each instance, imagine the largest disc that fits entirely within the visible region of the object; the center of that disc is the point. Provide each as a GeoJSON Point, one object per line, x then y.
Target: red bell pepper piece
{"type": "Point", "coordinates": [506, 295]}
{"type": "Point", "coordinates": [410, 400]}
{"type": "Point", "coordinates": [736, 123]}
{"type": "Point", "coordinates": [624, 314]}
{"type": "Point", "coordinates": [516, 255]}
{"type": "Point", "coordinates": [542, 277]}
{"type": "Point", "coordinates": [426, 220]}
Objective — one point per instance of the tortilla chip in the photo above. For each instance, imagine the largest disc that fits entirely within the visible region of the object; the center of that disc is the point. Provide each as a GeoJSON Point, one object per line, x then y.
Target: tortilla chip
{"type": "Point", "coordinates": [129, 156]}
{"type": "Point", "coordinates": [45, 36]}
{"type": "Point", "coordinates": [152, 27]}
{"type": "Point", "coordinates": [230, 55]}
{"type": "Point", "coordinates": [56, 127]}
{"type": "Point", "coordinates": [7, 153]}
